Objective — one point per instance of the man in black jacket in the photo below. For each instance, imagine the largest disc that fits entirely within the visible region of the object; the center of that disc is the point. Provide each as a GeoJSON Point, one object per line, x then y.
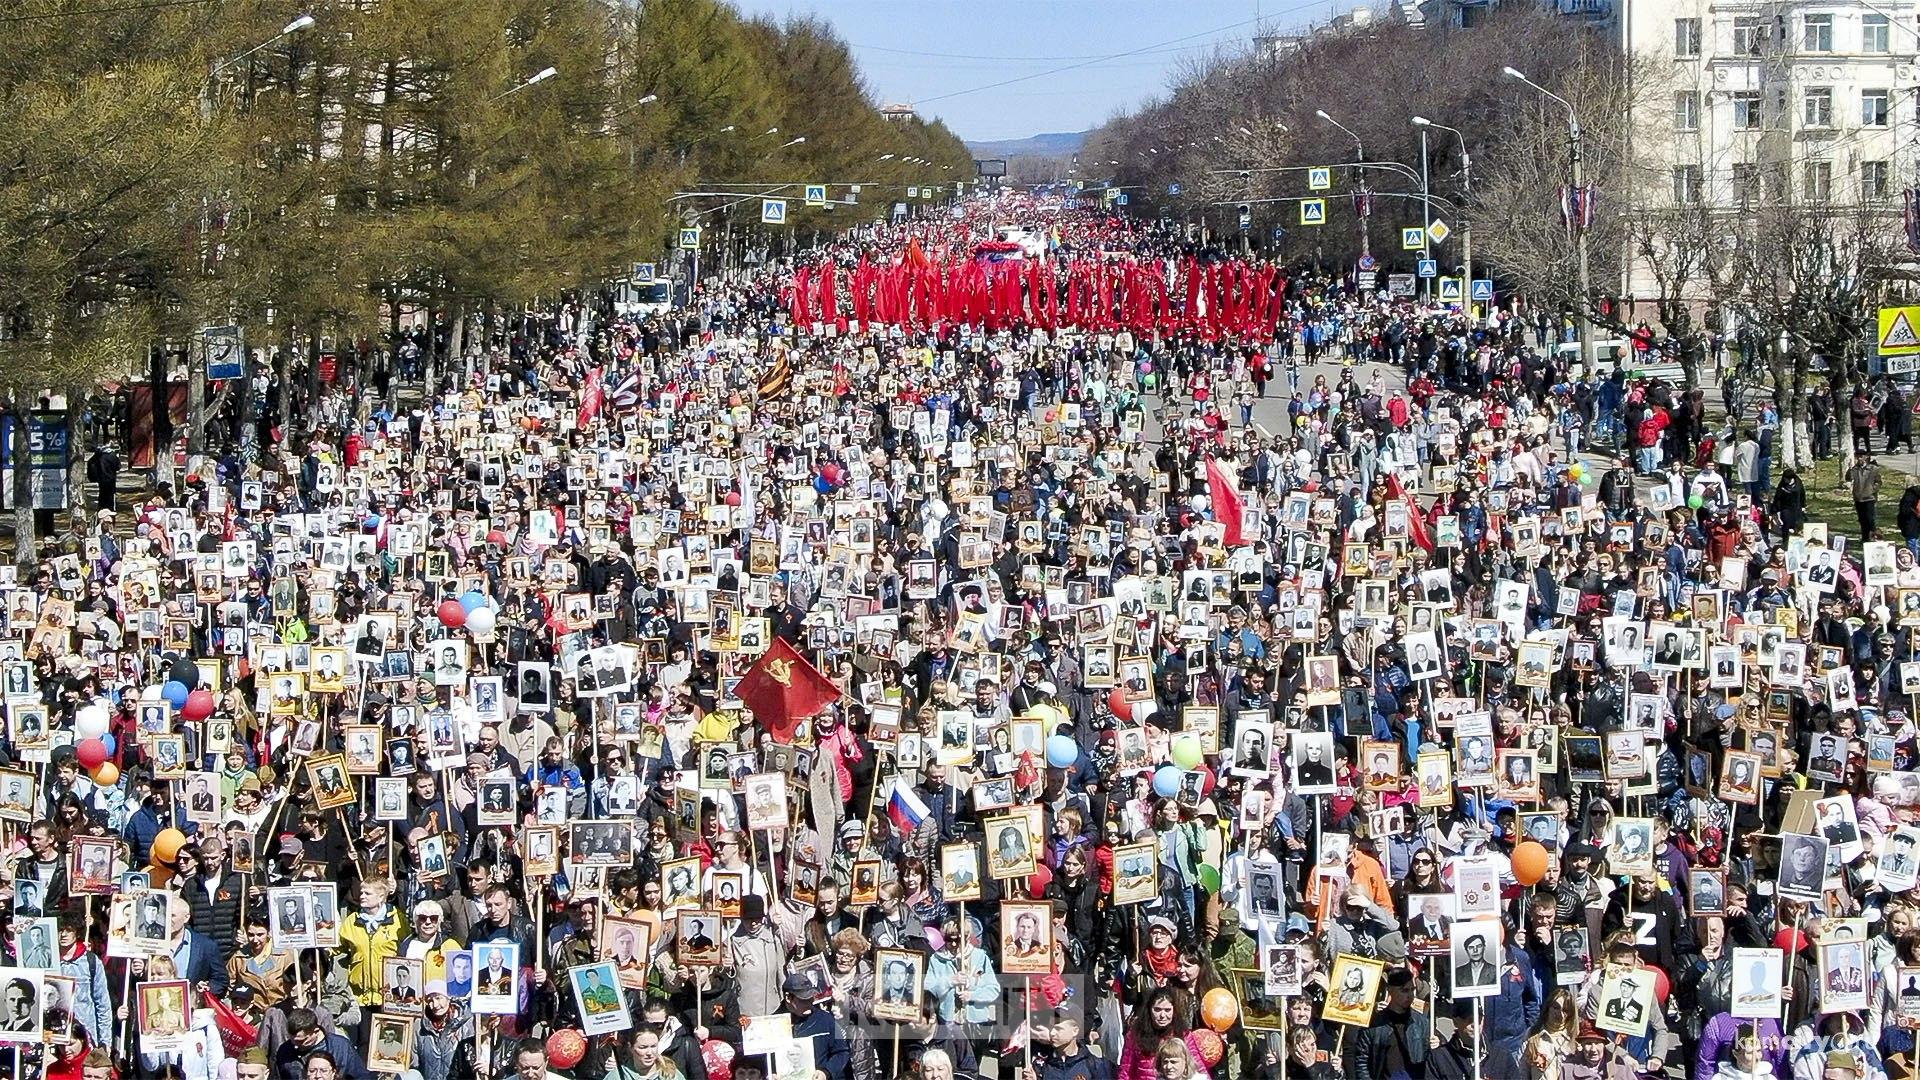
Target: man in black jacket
{"type": "Point", "coordinates": [1397, 1043]}
{"type": "Point", "coordinates": [214, 896]}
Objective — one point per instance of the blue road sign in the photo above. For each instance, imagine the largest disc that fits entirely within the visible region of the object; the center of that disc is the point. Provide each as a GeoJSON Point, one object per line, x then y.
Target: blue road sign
{"type": "Point", "coordinates": [1428, 268]}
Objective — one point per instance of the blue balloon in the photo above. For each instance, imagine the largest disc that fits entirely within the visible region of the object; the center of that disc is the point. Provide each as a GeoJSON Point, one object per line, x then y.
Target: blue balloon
{"type": "Point", "coordinates": [175, 694]}
{"type": "Point", "coordinates": [107, 739]}
{"type": "Point", "coordinates": [820, 485]}
{"type": "Point", "coordinates": [473, 600]}
{"type": "Point", "coordinates": [1166, 781]}
{"type": "Point", "coordinates": [372, 522]}
{"type": "Point", "coordinates": [1062, 751]}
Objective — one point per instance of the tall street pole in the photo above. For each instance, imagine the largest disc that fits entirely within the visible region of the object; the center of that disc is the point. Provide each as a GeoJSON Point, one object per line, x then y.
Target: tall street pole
{"type": "Point", "coordinates": [1576, 204]}
{"type": "Point", "coordinates": [1426, 212]}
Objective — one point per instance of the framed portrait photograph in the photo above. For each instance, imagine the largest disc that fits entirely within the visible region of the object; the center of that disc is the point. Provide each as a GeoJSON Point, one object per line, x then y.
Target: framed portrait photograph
{"type": "Point", "coordinates": [163, 1008]}
{"type": "Point", "coordinates": [697, 937]}
{"type": "Point", "coordinates": [1010, 852]}
{"type": "Point", "coordinates": [1758, 978]}
{"type": "Point", "coordinates": [960, 870]}
{"type": "Point", "coordinates": [1626, 1002]}
{"type": "Point", "coordinates": [390, 1043]}
{"type": "Point", "coordinates": [1026, 938]}
{"type": "Point", "coordinates": [496, 978]}
{"type": "Point", "coordinates": [899, 978]}
{"type": "Point", "coordinates": [1803, 867]}
{"type": "Point", "coordinates": [1353, 990]}
{"type": "Point", "coordinates": [627, 945]}
{"type": "Point", "coordinates": [1136, 872]}
{"type": "Point", "coordinates": [598, 996]}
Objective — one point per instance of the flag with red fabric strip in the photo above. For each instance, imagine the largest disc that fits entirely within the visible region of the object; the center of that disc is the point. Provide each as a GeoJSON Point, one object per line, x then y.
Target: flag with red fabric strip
{"type": "Point", "coordinates": [782, 689]}
{"type": "Point", "coordinates": [591, 398]}
{"type": "Point", "coordinates": [1416, 520]}
{"type": "Point", "coordinates": [1226, 501]}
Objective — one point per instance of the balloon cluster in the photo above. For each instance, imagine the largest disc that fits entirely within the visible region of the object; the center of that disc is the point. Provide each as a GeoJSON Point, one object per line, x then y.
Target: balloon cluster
{"type": "Point", "coordinates": [470, 610]}
{"type": "Point", "coordinates": [1187, 755]}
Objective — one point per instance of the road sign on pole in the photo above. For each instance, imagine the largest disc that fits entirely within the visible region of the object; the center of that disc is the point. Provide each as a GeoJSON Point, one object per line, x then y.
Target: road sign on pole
{"type": "Point", "coordinates": [1173, 189]}
{"type": "Point", "coordinates": [1319, 178]}
{"type": "Point", "coordinates": [1428, 268]}
{"type": "Point", "coordinates": [816, 194]}
{"type": "Point", "coordinates": [1413, 238]}
{"type": "Point", "coordinates": [690, 238]}
{"type": "Point", "coordinates": [1313, 211]}
{"type": "Point", "coordinates": [1438, 231]}
{"type": "Point", "coordinates": [1482, 290]}
{"type": "Point", "coordinates": [1120, 199]}
{"type": "Point", "coordinates": [1899, 330]}
{"type": "Point", "coordinates": [1450, 290]}
{"type": "Point", "coordinates": [773, 211]}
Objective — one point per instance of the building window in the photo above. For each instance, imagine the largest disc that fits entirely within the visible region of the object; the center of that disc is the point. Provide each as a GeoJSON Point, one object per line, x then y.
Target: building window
{"type": "Point", "coordinates": [1686, 110]}
{"type": "Point", "coordinates": [1686, 38]}
{"type": "Point", "coordinates": [1875, 107]}
{"type": "Point", "coordinates": [1816, 33]}
{"type": "Point", "coordinates": [1817, 107]}
{"type": "Point", "coordinates": [1819, 181]}
{"type": "Point", "coordinates": [1687, 185]}
{"type": "Point", "coordinates": [1746, 110]}
{"type": "Point", "coordinates": [1746, 183]}
{"type": "Point", "coordinates": [1748, 36]}
{"type": "Point", "coordinates": [1875, 34]}
{"type": "Point", "coordinates": [1876, 179]}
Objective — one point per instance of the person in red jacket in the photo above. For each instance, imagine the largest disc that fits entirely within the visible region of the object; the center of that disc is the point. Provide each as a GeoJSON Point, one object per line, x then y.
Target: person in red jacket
{"type": "Point", "coordinates": [1647, 438]}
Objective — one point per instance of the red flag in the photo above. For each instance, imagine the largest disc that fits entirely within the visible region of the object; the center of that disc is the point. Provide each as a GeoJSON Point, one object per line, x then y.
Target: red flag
{"type": "Point", "coordinates": [829, 307]}
{"type": "Point", "coordinates": [802, 286]}
{"type": "Point", "coordinates": [1226, 501]}
{"type": "Point", "coordinates": [783, 689]}
{"type": "Point", "coordinates": [1416, 520]}
{"type": "Point", "coordinates": [591, 399]}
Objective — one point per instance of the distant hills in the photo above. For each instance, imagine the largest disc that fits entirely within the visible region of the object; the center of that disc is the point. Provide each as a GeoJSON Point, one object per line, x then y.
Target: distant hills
{"type": "Point", "coordinates": [1052, 144]}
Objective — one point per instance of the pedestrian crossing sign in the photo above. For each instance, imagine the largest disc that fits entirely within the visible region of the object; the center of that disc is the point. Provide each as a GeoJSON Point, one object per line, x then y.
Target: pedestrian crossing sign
{"type": "Point", "coordinates": [816, 194]}
{"type": "Point", "coordinates": [1413, 238]}
{"type": "Point", "coordinates": [1427, 267]}
{"type": "Point", "coordinates": [773, 211]}
{"type": "Point", "coordinates": [1313, 211]}
{"type": "Point", "coordinates": [1450, 290]}
{"type": "Point", "coordinates": [689, 238]}
{"type": "Point", "coordinates": [1482, 290]}
{"type": "Point", "coordinates": [1319, 178]}
{"type": "Point", "coordinates": [1900, 331]}
{"type": "Point", "coordinates": [1173, 189]}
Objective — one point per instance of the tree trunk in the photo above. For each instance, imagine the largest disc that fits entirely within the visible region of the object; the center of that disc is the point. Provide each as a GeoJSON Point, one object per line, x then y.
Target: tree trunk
{"type": "Point", "coordinates": [79, 445]}
{"type": "Point", "coordinates": [283, 381]}
{"type": "Point", "coordinates": [24, 547]}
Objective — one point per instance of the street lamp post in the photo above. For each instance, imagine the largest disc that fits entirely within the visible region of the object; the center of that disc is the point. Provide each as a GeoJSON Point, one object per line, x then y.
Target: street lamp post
{"type": "Point", "coordinates": [1576, 223]}
{"type": "Point", "coordinates": [197, 368]}
{"type": "Point", "coordinates": [1466, 203]}
{"type": "Point", "coordinates": [1426, 213]}
{"type": "Point", "coordinates": [1359, 177]}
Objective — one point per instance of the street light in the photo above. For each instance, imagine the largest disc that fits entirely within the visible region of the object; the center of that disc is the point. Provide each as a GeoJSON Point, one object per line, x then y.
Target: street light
{"type": "Point", "coordinates": [1360, 155]}
{"type": "Point", "coordinates": [1577, 223]}
{"type": "Point", "coordinates": [886, 157]}
{"type": "Point", "coordinates": [1466, 186]}
{"type": "Point", "coordinates": [304, 22]}
{"type": "Point", "coordinates": [648, 100]}
{"type": "Point", "coordinates": [535, 79]}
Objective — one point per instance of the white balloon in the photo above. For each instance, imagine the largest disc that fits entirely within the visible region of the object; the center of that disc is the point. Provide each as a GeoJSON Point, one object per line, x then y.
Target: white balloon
{"type": "Point", "coordinates": [151, 693]}
{"type": "Point", "coordinates": [91, 722]}
{"type": "Point", "coordinates": [480, 620]}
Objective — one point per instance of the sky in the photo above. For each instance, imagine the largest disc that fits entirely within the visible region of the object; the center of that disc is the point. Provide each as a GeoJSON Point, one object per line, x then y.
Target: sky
{"type": "Point", "coordinates": [942, 56]}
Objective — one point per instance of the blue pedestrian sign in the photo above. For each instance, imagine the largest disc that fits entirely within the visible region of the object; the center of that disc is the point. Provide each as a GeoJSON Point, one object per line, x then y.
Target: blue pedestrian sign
{"type": "Point", "coordinates": [1482, 290]}
{"type": "Point", "coordinates": [1428, 268]}
{"type": "Point", "coordinates": [773, 211]}
{"type": "Point", "coordinates": [1120, 199]}
{"type": "Point", "coordinates": [1313, 211]}
{"type": "Point", "coordinates": [689, 238]}
{"type": "Point", "coordinates": [643, 272]}
{"type": "Point", "coordinates": [1449, 290]}
{"type": "Point", "coordinates": [1173, 189]}
{"type": "Point", "coordinates": [816, 194]}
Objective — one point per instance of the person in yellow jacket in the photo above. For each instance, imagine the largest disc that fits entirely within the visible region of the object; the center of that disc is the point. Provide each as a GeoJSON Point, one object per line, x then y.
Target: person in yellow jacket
{"type": "Point", "coordinates": [368, 938]}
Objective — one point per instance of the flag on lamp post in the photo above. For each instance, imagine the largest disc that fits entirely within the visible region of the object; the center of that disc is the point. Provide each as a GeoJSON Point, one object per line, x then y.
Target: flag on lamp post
{"type": "Point", "coordinates": [1226, 502]}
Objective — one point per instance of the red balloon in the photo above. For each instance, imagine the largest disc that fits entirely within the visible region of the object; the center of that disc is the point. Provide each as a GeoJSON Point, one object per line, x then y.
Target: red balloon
{"type": "Point", "coordinates": [565, 1048]}
{"type": "Point", "coordinates": [1789, 940]}
{"type": "Point", "coordinates": [1661, 987]}
{"type": "Point", "coordinates": [1118, 704]}
{"type": "Point", "coordinates": [733, 498]}
{"type": "Point", "coordinates": [199, 705]}
{"type": "Point", "coordinates": [497, 537]}
{"type": "Point", "coordinates": [1207, 779]}
{"type": "Point", "coordinates": [90, 753]}
{"type": "Point", "coordinates": [452, 614]}
{"type": "Point", "coordinates": [1037, 884]}
{"type": "Point", "coordinates": [830, 472]}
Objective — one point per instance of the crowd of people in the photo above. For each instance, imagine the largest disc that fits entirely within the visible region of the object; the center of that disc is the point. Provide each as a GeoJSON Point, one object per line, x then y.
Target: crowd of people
{"type": "Point", "coordinates": [1294, 680]}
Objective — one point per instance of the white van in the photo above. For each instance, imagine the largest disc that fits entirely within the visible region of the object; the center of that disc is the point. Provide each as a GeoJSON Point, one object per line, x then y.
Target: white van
{"type": "Point", "coordinates": [639, 298]}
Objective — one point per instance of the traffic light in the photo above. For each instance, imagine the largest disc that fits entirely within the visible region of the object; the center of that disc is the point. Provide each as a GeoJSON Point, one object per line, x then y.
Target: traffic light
{"type": "Point", "coordinates": [1246, 216]}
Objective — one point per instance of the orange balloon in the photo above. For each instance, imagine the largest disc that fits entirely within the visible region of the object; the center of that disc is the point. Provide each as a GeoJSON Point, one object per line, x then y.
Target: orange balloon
{"type": "Point", "coordinates": [106, 774]}
{"type": "Point", "coordinates": [1529, 862]}
{"type": "Point", "coordinates": [167, 844]}
{"type": "Point", "coordinates": [1219, 1009]}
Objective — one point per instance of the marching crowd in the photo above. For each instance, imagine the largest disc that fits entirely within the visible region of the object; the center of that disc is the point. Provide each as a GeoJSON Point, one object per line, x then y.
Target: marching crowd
{"type": "Point", "coordinates": [1257, 676]}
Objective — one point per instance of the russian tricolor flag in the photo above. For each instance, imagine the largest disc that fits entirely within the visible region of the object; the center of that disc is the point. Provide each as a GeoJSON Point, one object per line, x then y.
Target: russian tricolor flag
{"type": "Point", "coordinates": [905, 808]}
